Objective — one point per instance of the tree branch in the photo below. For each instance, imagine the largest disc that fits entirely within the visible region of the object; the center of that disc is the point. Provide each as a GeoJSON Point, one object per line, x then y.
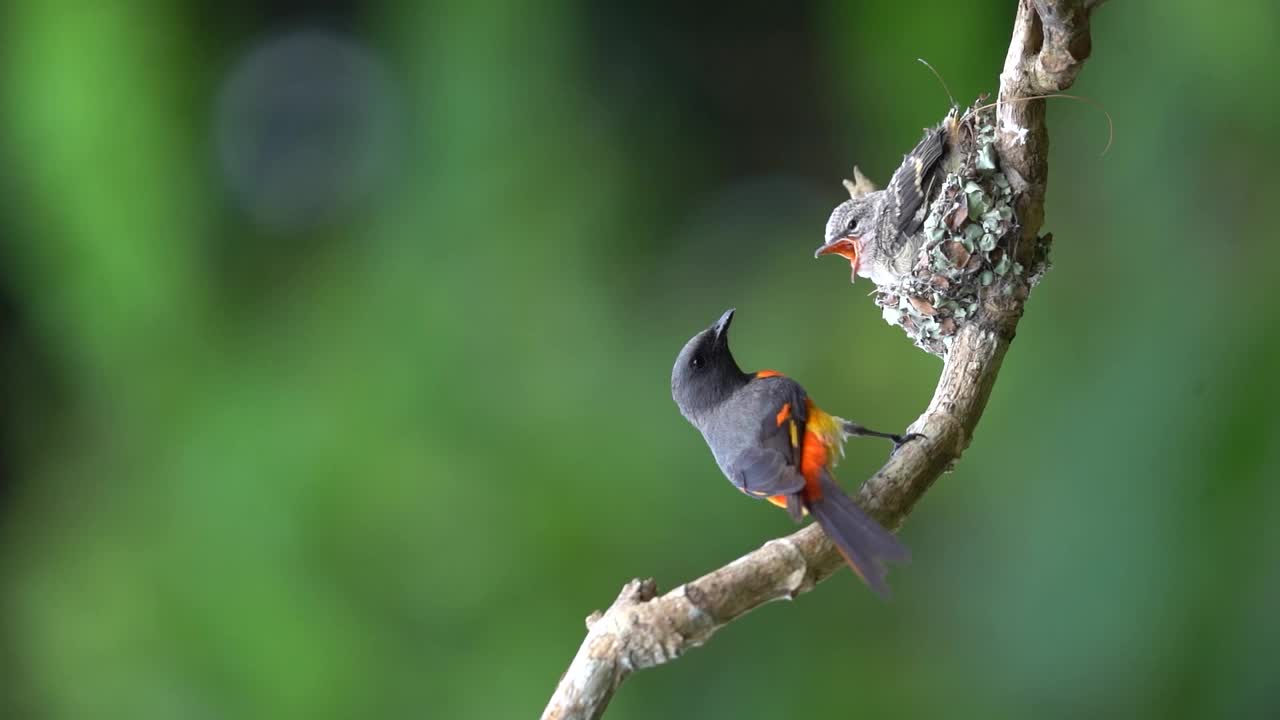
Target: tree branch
{"type": "Point", "coordinates": [1050, 42]}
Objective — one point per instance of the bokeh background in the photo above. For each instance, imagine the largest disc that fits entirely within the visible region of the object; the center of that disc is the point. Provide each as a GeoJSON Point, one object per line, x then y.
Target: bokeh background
{"type": "Point", "coordinates": [336, 342]}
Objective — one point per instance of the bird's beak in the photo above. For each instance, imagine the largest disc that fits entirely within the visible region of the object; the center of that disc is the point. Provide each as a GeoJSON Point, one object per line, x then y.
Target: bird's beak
{"type": "Point", "coordinates": [845, 247]}
{"type": "Point", "coordinates": [721, 328]}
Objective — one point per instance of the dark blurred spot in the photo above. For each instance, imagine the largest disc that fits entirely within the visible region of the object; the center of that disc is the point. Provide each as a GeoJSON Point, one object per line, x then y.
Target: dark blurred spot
{"type": "Point", "coordinates": [732, 90]}
{"type": "Point", "coordinates": [746, 78]}
{"type": "Point", "coordinates": [9, 343]}
{"type": "Point", "coordinates": [33, 388]}
{"type": "Point", "coordinates": [307, 128]}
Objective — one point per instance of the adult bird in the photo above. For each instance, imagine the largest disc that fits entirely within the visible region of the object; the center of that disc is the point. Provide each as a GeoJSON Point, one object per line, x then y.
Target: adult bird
{"type": "Point", "coordinates": [772, 442]}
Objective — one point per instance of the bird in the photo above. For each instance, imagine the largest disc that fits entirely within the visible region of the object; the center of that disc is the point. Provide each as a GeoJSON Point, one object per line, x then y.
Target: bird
{"type": "Point", "coordinates": [772, 442]}
{"type": "Point", "coordinates": [879, 232]}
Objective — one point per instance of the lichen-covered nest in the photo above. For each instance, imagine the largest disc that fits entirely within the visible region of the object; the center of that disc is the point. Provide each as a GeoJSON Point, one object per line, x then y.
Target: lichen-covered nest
{"type": "Point", "coordinates": [966, 251]}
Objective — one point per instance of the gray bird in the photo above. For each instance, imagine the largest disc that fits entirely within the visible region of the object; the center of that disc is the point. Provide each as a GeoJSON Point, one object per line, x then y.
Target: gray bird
{"type": "Point", "coordinates": [879, 232]}
{"type": "Point", "coordinates": [772, 442]}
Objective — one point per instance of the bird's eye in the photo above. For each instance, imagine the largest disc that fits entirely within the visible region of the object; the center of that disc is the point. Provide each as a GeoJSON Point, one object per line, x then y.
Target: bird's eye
{"type": "Point", "coordinates": [697, 362]}
{"type": "Point", "coordinates": [853, 223]}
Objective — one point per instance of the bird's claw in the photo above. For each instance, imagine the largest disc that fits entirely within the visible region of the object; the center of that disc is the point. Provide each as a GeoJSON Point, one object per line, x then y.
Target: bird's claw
{"type": "Point", "coordinates": [900, 440]}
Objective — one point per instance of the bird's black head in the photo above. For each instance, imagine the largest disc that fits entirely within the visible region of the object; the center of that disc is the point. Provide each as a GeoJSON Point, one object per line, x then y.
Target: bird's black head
{"type": "Point", "coordinates": [705, 373]}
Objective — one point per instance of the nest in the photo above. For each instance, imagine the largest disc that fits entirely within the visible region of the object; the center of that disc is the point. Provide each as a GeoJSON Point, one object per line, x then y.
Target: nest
{"type": "Point", "coordinates": [966, 252]}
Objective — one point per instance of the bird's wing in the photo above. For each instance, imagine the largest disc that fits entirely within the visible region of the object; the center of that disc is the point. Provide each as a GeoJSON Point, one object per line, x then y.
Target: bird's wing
{"type": "Point", "coordinates": [764, 472]}
{"type": "Point", "coordinates": [772, 465]}
{"type": "Point", "coordinates": [909, 188]}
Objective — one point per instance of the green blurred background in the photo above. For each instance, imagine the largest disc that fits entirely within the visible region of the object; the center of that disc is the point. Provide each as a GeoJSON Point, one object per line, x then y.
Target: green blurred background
{"type": "Point", "coordinates": [337, 338]}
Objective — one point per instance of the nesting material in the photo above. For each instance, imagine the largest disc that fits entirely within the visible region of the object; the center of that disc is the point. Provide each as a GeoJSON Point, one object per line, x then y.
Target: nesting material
{"type": "Point", "coordinates": [965, 253]}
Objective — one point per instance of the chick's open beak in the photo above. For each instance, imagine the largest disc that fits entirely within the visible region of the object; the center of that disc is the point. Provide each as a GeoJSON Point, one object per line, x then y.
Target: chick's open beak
{"type": "Point", "coordinates": [845, 247]}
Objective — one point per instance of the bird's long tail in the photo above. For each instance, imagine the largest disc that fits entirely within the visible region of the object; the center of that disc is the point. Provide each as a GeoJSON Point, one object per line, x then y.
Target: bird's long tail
{"type": "Point", "coordinates": [865, 545]}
